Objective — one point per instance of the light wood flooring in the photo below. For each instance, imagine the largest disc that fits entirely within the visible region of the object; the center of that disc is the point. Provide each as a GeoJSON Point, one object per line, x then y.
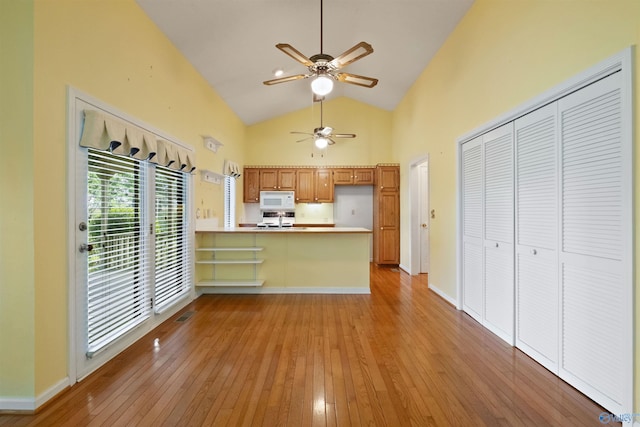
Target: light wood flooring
{"type": "Point", "coordinates": [401, 356]}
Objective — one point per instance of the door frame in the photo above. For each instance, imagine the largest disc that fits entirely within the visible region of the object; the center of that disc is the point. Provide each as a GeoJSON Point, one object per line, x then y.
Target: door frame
{"type": "Point", "coordinates": [75, 100]}
{"type": "Point", "coordinates": [415, 192]}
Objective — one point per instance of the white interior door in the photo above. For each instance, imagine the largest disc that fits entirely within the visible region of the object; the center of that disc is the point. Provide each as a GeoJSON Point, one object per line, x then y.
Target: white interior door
{"type": "Point", "coordinates": [537, 297]}
{"type": "Point", "coordinates": [423, 176]}
{"type": "Point", "coordinates": [596, 252]}
{"type": "Point", "coordinates": [498, 231]}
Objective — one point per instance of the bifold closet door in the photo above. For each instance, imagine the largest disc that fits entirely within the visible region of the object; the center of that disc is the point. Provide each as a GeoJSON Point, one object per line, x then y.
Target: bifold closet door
{"type": "Point", "coordinates": [536, 189]}
{"type": "Point", "coordinates": [596, 244]}
{"type": "Point", "coordinates": [472, 233]}
{"type": "Point", "coordinates": [498, 274]}
{"type": "Point", "coordinates": [472, 195]}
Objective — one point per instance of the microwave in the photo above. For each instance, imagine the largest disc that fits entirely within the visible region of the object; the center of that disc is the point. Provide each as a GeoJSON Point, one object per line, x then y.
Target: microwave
{"type": "Point", "coordinates": [275, 200]}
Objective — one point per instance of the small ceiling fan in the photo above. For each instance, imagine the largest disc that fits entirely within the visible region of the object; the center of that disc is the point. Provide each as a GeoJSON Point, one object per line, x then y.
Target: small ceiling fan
{"type": "Point", "coordinates": [322, 136]}
{"type": "Point", "coordinates": [325, 67]}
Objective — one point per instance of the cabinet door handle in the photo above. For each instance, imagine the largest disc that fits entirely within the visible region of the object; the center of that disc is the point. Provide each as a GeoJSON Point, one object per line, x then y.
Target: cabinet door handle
{"type": "Point", "coordinates": [497, 245]}
{"type": "Point", "coordinates": [381, 228]}
{"type": "Point", "coordinates": [534, 252]}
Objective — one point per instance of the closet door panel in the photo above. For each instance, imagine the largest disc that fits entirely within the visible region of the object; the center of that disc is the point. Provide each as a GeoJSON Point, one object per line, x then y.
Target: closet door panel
{"type": "Point", "coordinates": [537, 288]}
{"type": "Point", "coordinates": [498, 232]}
{"type": "Point", "coordinates": [472, 191]}
{"type": "Point", "coordinates": [595, 255]}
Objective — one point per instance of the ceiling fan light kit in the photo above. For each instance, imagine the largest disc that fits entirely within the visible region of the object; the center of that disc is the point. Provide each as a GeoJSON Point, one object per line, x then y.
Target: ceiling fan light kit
{"type": "Point", "coordinates": [321, 143]}
{"type": "Point", "coordinates": [322, 85]}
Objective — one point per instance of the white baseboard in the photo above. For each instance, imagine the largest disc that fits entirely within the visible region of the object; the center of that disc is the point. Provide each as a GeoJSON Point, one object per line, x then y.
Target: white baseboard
{"type": "Point", "coordinates": [229, 290]}
{"type": "Point", "coordinates": [29, 404]}
{"type": "Point", "coordinates": [405, 268]}
{"type": "Point", "coordinates": [443, 295]}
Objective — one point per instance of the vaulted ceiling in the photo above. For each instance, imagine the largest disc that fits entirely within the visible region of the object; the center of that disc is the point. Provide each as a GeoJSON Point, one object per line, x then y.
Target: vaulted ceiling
{"type": "Point", "coordinates": [232, 44]}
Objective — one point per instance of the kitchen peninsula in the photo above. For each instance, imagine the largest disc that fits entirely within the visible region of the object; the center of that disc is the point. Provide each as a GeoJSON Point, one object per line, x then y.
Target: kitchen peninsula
{"type": "Point", "coordinates": [283, 260]}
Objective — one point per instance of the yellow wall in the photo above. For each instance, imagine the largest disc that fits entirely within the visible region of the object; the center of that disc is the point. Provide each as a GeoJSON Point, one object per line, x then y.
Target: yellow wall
{"type": "Point", "coordinates": [270, 143]}
{"type": "Point", "coordinates": [113, 52]}
{"type": "Point", "coordinates": [502, 54]}
{"type": "Point", "coordinates": [16, 200]}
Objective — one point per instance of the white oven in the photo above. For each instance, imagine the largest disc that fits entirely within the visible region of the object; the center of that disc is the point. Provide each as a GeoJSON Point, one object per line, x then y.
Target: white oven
{"type": "Point", "coordinates": [277, 200]}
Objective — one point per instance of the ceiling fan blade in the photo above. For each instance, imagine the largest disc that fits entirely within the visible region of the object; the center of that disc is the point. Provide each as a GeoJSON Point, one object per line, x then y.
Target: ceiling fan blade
{"type": "Point", "coordinates": [304, 139]}
{"type": "Point", "coordinates": [331, 141]}
{"type": "Point", "coordinates": [360, 50]}
{"type": "Point", "coordinates": [285, 79]}
{"type": "Point", "coordinates": [295, 54]}
{"type": "Point", "coordinates": [301, 133]}
{"type": "Point", "coordinates": [343, 135]}
{"type": "Point", "coordinates": [355, 79]}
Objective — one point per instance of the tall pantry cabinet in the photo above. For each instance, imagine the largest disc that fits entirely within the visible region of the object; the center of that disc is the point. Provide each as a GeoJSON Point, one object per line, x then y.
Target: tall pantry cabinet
{"type": "Point", "coordinates": [546, 255]}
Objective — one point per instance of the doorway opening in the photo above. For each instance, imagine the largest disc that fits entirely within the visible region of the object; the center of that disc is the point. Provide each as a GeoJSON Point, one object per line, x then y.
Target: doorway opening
{"type": "Point", "coordinates": [419, 228]}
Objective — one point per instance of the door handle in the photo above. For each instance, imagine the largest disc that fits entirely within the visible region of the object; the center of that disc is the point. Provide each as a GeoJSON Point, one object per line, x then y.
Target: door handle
{"type": "Point", "coordinates": [85, 248]}
{"type": "Point", "coordinates": [424, 225]}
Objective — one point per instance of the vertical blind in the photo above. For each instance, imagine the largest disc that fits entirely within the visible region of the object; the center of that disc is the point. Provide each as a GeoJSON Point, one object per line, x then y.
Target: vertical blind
{"type": "Point", "coordinates": [118, 271]}
{"type": "Point", "coordinates": [172, 259]}
{"type": "Point", "coordinates": [229, 201]}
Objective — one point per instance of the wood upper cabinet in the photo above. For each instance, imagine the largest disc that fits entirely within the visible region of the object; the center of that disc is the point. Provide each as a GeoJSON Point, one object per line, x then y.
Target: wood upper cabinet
{"type": "Point", "coordinates": [251, 185]}
{"type": "Point", "coordinates": [323, 186]}
{"type": "Point", "coordinates": [353, 176]}
{"type": "Point", "coordinates": [278, 179]}
{"type": "Point", "coordinates": [386, 215]}
{"type": "Point", "coordinates": [388, 178]}
{"type": "Point", "coordinates": [305, 185]}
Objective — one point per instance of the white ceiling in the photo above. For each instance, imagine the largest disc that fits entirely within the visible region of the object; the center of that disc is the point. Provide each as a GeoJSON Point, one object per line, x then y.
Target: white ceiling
{"type": "Point", "coordinates": [232, 44]}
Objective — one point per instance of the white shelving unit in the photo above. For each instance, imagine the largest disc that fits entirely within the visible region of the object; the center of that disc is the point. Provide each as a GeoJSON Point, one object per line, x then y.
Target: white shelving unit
{"type": "Point", "coordinates": [214, 261]}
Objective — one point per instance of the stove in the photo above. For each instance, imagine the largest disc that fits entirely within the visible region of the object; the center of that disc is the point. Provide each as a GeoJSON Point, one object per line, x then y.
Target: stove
{"type": "Point", "coordinates": [272, 219]}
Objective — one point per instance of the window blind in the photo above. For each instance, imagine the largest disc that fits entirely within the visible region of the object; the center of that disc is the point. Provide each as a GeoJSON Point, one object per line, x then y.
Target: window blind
{"type": "Point", "coordinates": [229, 201]}
{"type": "Point", "coordinates": [118, 271]}
{"type": "Point", "coordinates": [172, 254]}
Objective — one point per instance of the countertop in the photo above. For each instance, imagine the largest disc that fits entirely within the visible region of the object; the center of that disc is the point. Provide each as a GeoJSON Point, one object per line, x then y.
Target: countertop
{"type": "Point", "coordinates": [291, 230]}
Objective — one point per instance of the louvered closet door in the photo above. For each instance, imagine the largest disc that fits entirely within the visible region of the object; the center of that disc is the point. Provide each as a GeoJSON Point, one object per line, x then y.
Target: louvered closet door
{"type": "Point", "coordinates": [537, 298]}
{"type": "Point", "coordinates": [498, 232]}
{"type": "Point", "coordinates": [472, 194]}
{"type": "Point", "coordinates": [596, 245]}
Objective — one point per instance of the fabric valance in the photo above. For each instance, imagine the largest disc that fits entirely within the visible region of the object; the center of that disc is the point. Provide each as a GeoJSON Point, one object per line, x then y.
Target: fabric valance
{"type": "Point", "coordinates": [231, 169]}
{"type": "Point", "coordinates": [107, 133]}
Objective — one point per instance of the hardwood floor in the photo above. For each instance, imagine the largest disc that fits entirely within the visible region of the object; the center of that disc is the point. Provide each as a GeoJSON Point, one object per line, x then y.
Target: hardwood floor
{"type": "Point", "coordinates": [401, 356]}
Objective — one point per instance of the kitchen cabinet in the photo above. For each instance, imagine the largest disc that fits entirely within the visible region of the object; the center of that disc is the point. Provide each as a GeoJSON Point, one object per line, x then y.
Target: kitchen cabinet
{"type": "Point", "coordinates": [305, 185]}
{"type": "Point", "coordinates": [323, 186]}
{"type": "Point", "coordinates": [386, 215]}
{"type": "Point", "coordinates": [353, 176]}
{"type": "Point", "coordinates": [251, 185]}
{"type": "Point", "coordinates": [278, 179]}
{"type": "Point", "coordinates": [388, 179]}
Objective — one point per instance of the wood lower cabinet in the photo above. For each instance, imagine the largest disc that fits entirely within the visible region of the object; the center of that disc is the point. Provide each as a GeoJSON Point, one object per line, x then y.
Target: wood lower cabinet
{"type": "Point", "coordinates": [353, 176]}
{"type": "Point", "coordinates": [386, 215]}
{"type": "Point", "coordinates": [251, 185]}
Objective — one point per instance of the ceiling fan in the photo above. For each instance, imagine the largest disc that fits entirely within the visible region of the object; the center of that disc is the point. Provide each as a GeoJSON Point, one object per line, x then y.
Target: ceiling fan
{"type": "Point", "coordinates": [325, 67]}
{"type": "Point", "coordinates": [322, 136]}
